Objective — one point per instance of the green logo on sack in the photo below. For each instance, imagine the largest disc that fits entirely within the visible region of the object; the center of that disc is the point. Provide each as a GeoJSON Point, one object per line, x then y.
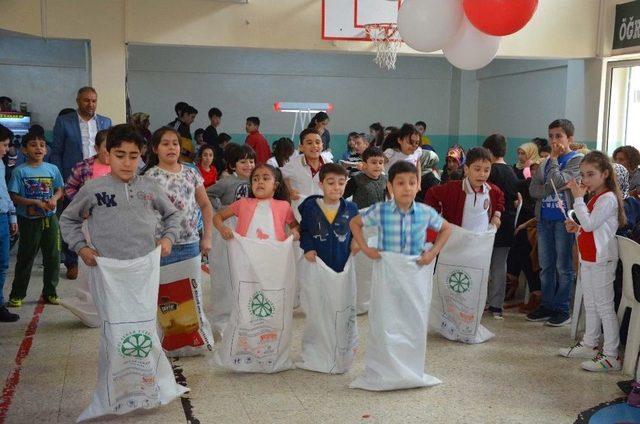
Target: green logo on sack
{"type": "Point", "coordinates": [136, 345]}
{"type": "Point", "coordinates": [459, 281]}
{"type": "Point", "coordinates": [260, 306]}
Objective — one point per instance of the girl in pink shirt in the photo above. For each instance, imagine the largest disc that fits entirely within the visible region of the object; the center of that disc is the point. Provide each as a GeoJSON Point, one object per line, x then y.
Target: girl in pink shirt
{"type": "Point", "coordinates": [265, 214]}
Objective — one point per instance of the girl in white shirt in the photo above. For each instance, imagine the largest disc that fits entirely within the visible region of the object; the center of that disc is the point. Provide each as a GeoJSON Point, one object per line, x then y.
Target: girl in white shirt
{"type": "Point", "coordinates": [406, 147]}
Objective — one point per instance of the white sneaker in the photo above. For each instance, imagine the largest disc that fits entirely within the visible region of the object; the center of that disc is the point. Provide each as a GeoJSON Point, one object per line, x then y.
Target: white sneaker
{"type": "Point", "coordinates": [578, 351]}
{"type": "Point", "coordinates": [602, 363]}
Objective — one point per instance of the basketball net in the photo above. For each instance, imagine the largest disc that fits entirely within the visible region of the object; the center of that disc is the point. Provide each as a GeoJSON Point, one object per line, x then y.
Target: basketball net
{"type": "Point", "coordinates": [387, 45]}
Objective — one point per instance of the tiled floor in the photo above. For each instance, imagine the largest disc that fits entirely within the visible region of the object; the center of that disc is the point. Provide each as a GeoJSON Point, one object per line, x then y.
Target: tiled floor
{"type": "Point", "coordinates": [514, 378]}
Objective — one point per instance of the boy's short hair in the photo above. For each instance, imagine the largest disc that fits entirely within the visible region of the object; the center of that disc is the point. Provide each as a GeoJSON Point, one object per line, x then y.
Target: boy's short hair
{"type": "Point", "coordinates": [223, 138]}
{"type": "Point", "coordinates": [190, 110]}
{"type": "Point", "coordinates": [496, 144]}
{"type": "Point", "coordinates": [306, 132]}
{"type": "Point", "coordinates": [332, 168]}
{"type": "Point", "coordinates": [198, 132]}
{"type": "Point", "coordinates": [372, 152]}
{"type": "Point", "coordinates": [236, 152]}
{"type": "Point", "coordinates": [254, 120]}
{"type": "Point", "coordinates": [544, 149]}
{"type": "Point", "coordinates": [5, 134]}
{"type": "Point", "coordinates": [124, 133]}
{"type": "Point", "coordinates": [180, 107]}
{"type": "Point", "coordinates": [37, 129]}
{"type": "Point", "coordinates": [565, 125]}
{"type": "Point", "coordinates": [477, 154]}
{"type": "Point", "coordinates": [402, 167]}
{"type": "Point", "coordinates": [30, 136]}
{"type": "Point", "coordinates": [353, 134]}
{"type": "Point", "coordinates": [214, 111]}
{"type": "Point", "coordinates": [421, 124]}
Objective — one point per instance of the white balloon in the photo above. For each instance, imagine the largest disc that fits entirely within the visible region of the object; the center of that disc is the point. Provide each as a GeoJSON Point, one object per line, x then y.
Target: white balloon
{"type": "Point", "coordinates": [471, 48]}
{"type": "Point", "coordinates": [428, 25]}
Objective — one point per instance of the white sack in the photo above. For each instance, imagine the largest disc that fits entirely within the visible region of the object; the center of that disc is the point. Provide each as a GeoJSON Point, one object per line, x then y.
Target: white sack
{"type": "Point", "coordinates": [258, 335]}
{"type": "Point", "coordinates": [364, 270]}
{"type": "Point", "coordinates": [398, 318]}
{"type": "Point", "coordinates": [133, 371]}
{"type": "Point", "coordinates": [81, 303]}
{"type": "Point", "coordinates": [330, 335]}
{"type": "Point", "coordinates": [460, 286]}
{"type": "Point", "coordinates": [221, 290]}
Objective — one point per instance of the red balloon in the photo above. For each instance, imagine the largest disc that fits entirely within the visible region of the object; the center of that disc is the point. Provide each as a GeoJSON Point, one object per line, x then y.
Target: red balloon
{"type": "Point", "coordinates": [500, 17]}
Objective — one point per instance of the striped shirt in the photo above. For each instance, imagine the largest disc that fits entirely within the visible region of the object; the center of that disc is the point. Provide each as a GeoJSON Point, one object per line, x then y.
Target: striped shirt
{"type": "Point", "coordinates": [402, 232]}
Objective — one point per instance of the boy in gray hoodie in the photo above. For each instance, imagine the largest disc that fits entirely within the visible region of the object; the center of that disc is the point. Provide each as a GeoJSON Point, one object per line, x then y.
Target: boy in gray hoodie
{"type": "Point", "coordinates": [120, 207]}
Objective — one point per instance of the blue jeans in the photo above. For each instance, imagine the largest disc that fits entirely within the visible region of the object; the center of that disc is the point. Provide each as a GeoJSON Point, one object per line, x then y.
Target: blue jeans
{"type": "Point", "coordinates": [555, 253]}
{"type": "Point", "coordinates": [4, 252]}
{"type": "Point", "coordinates": [181, 252]}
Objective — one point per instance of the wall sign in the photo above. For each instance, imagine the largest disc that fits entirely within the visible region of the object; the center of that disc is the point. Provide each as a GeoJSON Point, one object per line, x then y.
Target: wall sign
{"type": "Point", "coordinates": [627, 26]}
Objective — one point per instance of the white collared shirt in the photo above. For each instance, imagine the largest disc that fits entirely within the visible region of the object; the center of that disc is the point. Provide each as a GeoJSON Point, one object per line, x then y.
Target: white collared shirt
{"type": "Point", "coordinates": [88, 131]}
{"type": "Point", "coordinates": [300, 178]}
{"type": "Point", "coordinates": [475, 216]}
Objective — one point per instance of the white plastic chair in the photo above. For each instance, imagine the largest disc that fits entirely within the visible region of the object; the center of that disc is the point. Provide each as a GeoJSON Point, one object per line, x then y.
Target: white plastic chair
{"type": "Point", "coordinates": [629, 252]}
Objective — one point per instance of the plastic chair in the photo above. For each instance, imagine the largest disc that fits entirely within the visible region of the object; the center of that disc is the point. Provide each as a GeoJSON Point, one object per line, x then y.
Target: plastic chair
{"type": "Point", "coordinates": [629, 252]}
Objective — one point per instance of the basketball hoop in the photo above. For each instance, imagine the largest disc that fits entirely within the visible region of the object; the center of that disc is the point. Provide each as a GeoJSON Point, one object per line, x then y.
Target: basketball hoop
{"type": "Point", "coordinates": [387, 44]}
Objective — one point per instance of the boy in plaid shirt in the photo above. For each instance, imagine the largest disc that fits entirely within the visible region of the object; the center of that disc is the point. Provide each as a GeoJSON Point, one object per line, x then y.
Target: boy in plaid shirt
{"type": "Point", "coordinates": [402, 223]}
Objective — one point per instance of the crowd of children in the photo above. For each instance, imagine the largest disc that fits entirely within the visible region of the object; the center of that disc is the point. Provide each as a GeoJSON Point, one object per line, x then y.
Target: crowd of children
{"type": "Point", "coordinates": [388, 180]}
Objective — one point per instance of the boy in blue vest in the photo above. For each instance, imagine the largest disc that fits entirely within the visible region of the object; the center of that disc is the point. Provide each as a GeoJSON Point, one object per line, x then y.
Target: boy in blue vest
{"type": "Point", "coordinates": [324, 227]}
{"type": "Point", "coordinates": [555, 244]}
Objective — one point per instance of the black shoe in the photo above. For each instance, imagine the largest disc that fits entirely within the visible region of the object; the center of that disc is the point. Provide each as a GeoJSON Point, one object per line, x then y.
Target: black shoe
{"type": "Point", "coordinates": [542, 314]}
{"type": "Point", "coordinates": [6, 316]}
{"type": "Point", "coordinates": [559, 319]}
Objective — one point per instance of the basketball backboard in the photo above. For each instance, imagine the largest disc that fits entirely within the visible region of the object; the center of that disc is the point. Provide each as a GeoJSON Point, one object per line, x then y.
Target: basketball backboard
{"type": "Point", "coordinates": [345, 19]}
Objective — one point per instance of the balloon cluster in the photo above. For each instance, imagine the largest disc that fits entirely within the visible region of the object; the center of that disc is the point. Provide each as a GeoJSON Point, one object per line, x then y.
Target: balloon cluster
{"type": "Point", "coordinates": [467, 31]}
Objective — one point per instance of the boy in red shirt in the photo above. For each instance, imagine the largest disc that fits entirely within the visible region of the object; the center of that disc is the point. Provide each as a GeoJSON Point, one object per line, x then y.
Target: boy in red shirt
{"type": "Point", "coordinates": [472, 203]}
{"type": "Point", "coordinates": [257, 141]}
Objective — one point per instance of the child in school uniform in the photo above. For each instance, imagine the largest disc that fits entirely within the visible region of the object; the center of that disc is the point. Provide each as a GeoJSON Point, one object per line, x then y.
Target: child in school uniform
{"type": "Point", "coordinates": [301, 173]}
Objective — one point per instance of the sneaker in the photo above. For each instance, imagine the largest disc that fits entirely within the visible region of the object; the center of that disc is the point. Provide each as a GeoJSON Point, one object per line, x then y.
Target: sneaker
{"type": "Point", "coordinates": [634, 395]}
{"type": "Point", "coordinates": [541, 314]}
{"type": "Point", "coordinates": [559, 319]}
{"type": "Point", "coordinates": [602, 363]}
{"type": "Point", "coordinates": [53, 300]}
{"type": "Point", "coordinates": [14, 303]}
{"type": "Point", "coordinates": [6, 316]}
{"type": "Point", "coordinates": [497, 312]}
{"type": "Point", "coordinates": [578, 351]}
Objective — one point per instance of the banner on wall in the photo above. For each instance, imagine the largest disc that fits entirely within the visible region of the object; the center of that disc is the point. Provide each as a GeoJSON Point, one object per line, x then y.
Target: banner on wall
{"type": "Point", "coordinates": [626, 31]}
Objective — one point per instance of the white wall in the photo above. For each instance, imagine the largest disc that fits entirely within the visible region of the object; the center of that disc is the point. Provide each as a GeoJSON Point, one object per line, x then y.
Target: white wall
{"type": "Point", "coordinates": [44, 74]}
{"type": "Point", "coordinates": [245, 82]}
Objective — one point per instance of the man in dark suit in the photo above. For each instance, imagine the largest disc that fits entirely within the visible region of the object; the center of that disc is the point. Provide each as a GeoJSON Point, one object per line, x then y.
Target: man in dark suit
{"type": "Point", "coordinates": [73, 141]}
{"type": "Point", "coordinates": [74, 133]}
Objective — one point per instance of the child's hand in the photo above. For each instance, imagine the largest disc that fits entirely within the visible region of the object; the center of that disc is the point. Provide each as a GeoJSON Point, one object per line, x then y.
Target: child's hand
{"type": "Point", "coordinates": [360, 166]}
{"type": "Point", "coordinates": [51, 204]}
{"type": "Point", "coordinates": [13, 229]}
{"type": "Point", "coordinates": [371, 253]}
{"type": "Point", "coordinates": [571, 226]}
{"type": "Point", "coordinates": [226, 233]}
{"type": "Point", "coordinates": [88, 256]}
{"type": "Point", "coordinates": [205, 246]}
{"type": "Point", "coordinates": [495, 221]}
{"type": "Point", "coordinates": [295, 194]}
{"type": "Point", "coordinates": [295, 233]}
{"type": "Point", "coordinates": [311, 255]}
{"type": "Point", "coordinates": [578, 190]}
{"type": "Point", "coordinates": [355, 248]}
{"type": "Point", "coordinates": [426, 258]}
{"type": "Point", "coordinates": [165, 246]}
